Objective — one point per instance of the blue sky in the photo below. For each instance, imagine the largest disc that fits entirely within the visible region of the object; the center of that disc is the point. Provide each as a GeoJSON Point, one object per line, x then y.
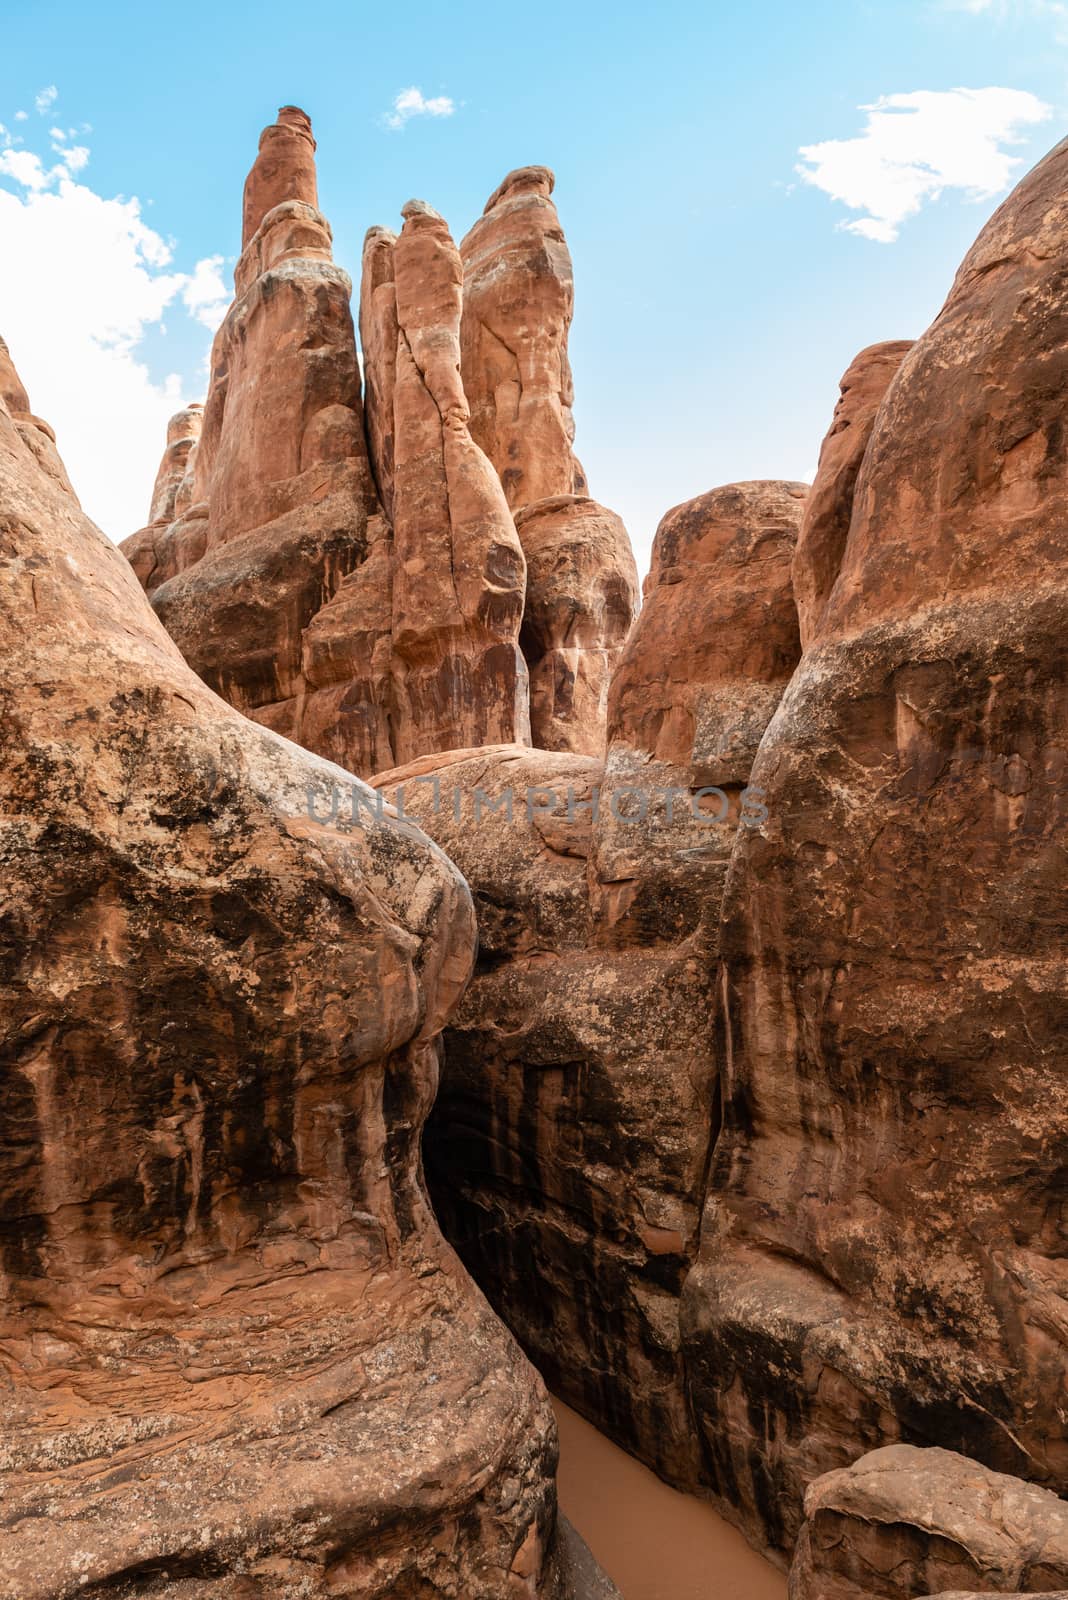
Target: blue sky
{"type": "Point", "coordinates": [719, 295]}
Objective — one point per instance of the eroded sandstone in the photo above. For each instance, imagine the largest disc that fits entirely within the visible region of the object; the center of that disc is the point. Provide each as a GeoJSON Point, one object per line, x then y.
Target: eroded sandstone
{"type": "Point", "coordinates": [239, 1361]}
{"type": "Point", "coordinates": [882, 1246]}
{"type": "Point", "coordinates": [903, 1522]}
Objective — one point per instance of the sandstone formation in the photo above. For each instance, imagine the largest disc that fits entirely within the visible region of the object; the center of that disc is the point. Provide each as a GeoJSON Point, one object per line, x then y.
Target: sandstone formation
{"type": "Point", "coordinates": [519, 297]}
{"type": "Point", "coordinates": [458, 572]}
{"type": "Point", "coordinates": [903, 1521]}
{"type": "Point", "coordinates": [582, 597]}
{"type": "Point", "coordinates": [239, 1362]}
{"type": "Point", "coordinates": [568, 1148]}
{"type": "Point", "coordinates": [882, 1246]}
{"type": "Point", "coordinates": [142, 549]}
{"type": "Point", "coordinates": [830, 502]}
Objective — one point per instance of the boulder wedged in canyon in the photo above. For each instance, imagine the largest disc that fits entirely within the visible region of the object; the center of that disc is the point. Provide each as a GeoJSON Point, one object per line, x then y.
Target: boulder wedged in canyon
{"type": "Point", "coordinates": [239, 1361]}
{"type": "Point", "coordinates": [902, 1522]}
{"type": "Point", "coordinates": [881, 1251]}
{"type": "Point", "coordinates": [519, 298]}
{"type": "Point", "coordinates": [581, 599]}
{"type": "Point", "coordinates": [830, 500]}
{"type": "Point", "coordinates": [568, 1148]}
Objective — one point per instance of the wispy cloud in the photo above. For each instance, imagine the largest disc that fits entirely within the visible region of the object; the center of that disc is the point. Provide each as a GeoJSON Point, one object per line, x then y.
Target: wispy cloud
{"type": "Point", "coordinates": [80, 353]}
{"type": "Point", "coordinates": [45, 99]}
{"type": "Point", "coordinates": [411, 103]}
{"type": "Point", "coordinates": [915, 146]}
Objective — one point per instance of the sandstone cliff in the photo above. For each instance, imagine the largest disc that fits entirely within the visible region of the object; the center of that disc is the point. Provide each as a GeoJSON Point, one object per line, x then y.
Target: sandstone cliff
{"type": "Point", "coordinates": [359, 584]}
{"type": "Point", "coordinates": [882, 1250]}
{"type": "Point", "coordinates": [239, 1361]}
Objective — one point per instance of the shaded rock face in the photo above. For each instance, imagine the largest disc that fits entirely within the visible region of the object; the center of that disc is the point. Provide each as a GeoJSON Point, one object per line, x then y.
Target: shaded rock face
{"type": "Point", "coordinates": [830, 503]}
{"type": "Point", "coordinates": [882, 1248]}
{"type": "Point", "coordinates": [582, 597]}
{"type": "Point", "coordinates": [568, 1149]}
{"type": "Point", "coordinates": [903, 1522]}
{"type": "Point", "coordinates": [239, 1359]}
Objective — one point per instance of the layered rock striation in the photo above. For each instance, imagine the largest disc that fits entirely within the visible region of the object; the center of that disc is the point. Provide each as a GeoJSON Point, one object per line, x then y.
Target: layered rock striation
{"type": "Point", "coordinates": [568, 1148]}
{"type": "Point", "coordinates": [238, 1359]}
{"type": "Point", "coordinates": [882, 1246]}
{"type": "Point", "coordinates": [357, 582]}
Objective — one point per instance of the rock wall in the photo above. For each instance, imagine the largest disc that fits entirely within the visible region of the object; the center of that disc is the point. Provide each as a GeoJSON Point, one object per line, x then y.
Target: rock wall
{"type": "Point", "coordinates": [568, 1148]}
{"type": "Point", "coordinates": [238, 1358]}
{"type": "Point", "coordinates": [882, 1248]}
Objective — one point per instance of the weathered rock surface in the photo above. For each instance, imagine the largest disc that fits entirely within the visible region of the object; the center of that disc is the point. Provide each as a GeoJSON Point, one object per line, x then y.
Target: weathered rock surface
{"type": "Point", "coordinates": [569, 1145]}
{"type": "Point", "coordinates": [518, 300]}
{"type": "Point", "coordinates": [359, 592]}
{"type": "Point", "coordinates": [830, 501]}
{"type": "Point", "coordinates": [281, 506]}
{"type": "Point", "coordinates": [903, 1522]}
{"type": "Point", "coordinates": [238, 1359]}
{"type": "Point", "coordinates": [882, 1251]}
{"type": "Point", "coordinates": [582, 597]}
{"type": "Point", "coordinates": [519, 297]}
{"type": "Point", "coordinates": [142, 549]}
{"type": "Point", "coordinates": [459, 576]}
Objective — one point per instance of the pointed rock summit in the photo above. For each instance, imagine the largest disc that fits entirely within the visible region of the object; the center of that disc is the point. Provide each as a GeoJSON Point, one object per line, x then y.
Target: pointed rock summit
{"type": "Point", "coordinates": [350, 573]}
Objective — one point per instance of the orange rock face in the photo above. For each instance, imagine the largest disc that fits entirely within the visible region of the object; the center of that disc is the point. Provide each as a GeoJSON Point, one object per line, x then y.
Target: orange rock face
{"type": "Point", "coordinates": [458, 572]}
{"type": "Point", "coordinates": [582, 596]}
{"type": "Point", "coordinates": [569, 1145]}
{"type": "Point", "coordinates": [519, 297]}
{"type": "Point", "coordinates": [881, 1257]}
{"type": "Point", "coordinates": [239, 1361]}
{"type": "Point", "coordinates": [903, 1521]}
{"type": "Point", "coordinates": [830, 503]}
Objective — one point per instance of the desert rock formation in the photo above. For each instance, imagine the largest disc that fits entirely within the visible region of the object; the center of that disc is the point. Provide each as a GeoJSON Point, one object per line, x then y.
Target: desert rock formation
{"type": "Point", "coordinates": [903, 1521]}
{"type": "Point", "coordinates": [882, 1246]}
{"type": "Point", "coordinates": [358, 583]}
{"type": "Point", "coordinates": [239, 1360]}
{"type": "Point", "coordinates": [569, 1143]}
{"type": "Point", "coordinates": [830, 503]}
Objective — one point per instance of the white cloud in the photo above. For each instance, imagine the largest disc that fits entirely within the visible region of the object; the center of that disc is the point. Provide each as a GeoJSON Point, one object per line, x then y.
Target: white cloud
{"type": "Point", "coordinates": [411, 103]}
{"type": "Point", "coordinates": [83, 279]}
{"type": "Point", "coordinates": [205, 295]}
{"type": "Point", "coordinates": [915, 146]}
{"type": "Point", "coordinates": [20, 116]}
{"type": "Point", "coordinates": [45, 99]}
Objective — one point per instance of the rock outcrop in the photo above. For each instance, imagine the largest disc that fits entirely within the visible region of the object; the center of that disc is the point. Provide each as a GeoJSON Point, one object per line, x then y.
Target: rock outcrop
{"type": "Point", "coordinates": [830, 503]}
{"type": "Point", "coordinates": [582, 597]}
{"type": "Point", "coordinates": [882, 1247]}
{"type": "Point", "coordinates": [171, 497]}
{"type": "Point", "coordinates": [238, 1359]}
{"type": "Point", "coordinates": [518, 300]}
{"type": "Point", "coordinates": [569, 1144]}
{"type": "Point", "coordinates": [903, 1522]}
{"type": "Point", "coordinates": [459, 575]}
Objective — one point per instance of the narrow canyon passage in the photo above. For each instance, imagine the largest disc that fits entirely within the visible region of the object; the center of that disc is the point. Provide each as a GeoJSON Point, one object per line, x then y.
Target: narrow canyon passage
{"type": "Point", "coordinates": [653, 1542]}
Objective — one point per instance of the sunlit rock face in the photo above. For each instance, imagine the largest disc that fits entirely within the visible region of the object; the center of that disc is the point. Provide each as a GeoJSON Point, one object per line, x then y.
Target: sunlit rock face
{"type": "Point", "coordinates": [582, 584]}
{"type": "Point", "coordinates": [568, 1149]}
{"type": "Point", "coordinates": [829, 509]}
{"type": "Point", "coordinates": [882, 1246]}
{"type": "Point", "coordinates": [239, 1361]}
